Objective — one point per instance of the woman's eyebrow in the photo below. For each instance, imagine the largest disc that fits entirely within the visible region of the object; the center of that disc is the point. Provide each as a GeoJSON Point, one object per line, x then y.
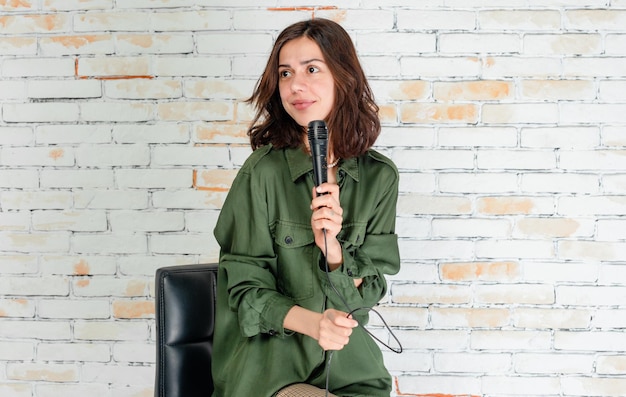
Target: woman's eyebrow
{"type": "Point", "coordinates": [312, 60]}
{"type": "Point", "coordinates": [282, 65]}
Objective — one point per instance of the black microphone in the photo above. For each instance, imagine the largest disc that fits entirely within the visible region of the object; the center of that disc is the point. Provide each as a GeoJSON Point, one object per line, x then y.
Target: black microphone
{"type": "Point", "coordinates": [318, 142]}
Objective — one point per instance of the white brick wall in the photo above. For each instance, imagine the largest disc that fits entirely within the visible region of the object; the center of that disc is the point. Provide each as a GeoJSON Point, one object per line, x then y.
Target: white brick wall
{"type": "Point", "coordinates": [122, 125]}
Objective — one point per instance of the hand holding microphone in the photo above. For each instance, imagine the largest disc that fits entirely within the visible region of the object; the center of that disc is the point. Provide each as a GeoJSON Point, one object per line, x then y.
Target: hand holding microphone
{"type": "Point", "coordinates": [335, 326]}
{"type": "Point", "coordinates": [327, 212]}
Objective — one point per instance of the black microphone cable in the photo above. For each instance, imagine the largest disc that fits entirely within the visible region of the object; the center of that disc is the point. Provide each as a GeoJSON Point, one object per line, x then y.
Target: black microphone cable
{"type": "Point", "coordinates": [351, 311]}
{"type": "Point", "coordinates": [318, 136]}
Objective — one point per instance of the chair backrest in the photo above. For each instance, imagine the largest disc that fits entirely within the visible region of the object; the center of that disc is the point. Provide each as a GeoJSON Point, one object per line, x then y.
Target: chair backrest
{"type": "Point", "coordinates": [185, 315]}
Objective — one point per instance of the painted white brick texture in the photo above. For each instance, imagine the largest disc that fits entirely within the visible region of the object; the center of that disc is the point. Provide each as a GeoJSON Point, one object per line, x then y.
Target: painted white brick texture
{"type": "Point", "coordinates": [122, 126]}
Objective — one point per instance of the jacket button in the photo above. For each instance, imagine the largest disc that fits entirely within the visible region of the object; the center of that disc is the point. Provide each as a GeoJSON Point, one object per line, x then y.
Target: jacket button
{"type": "Point", "coordinates": [288, 240]}
{"type": "Point", "coordinates": [349, 272]}
{"type": "Point", "coordinates": [272, 332]}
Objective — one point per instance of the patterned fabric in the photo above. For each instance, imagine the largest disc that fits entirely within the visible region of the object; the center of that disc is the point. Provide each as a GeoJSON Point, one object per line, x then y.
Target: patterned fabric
{"type": "Point", "coordinates": [303, 390]}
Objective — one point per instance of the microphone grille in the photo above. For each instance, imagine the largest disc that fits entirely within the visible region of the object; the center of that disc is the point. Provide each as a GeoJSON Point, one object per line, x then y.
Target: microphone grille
{"type": "Point", "coordinates": [318, 130]}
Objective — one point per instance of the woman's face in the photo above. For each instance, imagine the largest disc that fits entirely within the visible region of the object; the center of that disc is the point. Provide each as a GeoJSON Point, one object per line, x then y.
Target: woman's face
{"type": "Point", "coordinates": [305, 83]}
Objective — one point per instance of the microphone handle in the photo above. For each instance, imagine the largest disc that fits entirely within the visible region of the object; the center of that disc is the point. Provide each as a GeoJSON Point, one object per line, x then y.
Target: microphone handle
{"type": "Point", "coordinates": [320, 169]}
{"type": "Point", "coordinates": [318, 143]}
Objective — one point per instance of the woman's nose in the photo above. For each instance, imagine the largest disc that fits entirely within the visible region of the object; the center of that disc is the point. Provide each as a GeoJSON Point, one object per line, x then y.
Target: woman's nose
{"type": "Point", "coordinates": [297, 83]}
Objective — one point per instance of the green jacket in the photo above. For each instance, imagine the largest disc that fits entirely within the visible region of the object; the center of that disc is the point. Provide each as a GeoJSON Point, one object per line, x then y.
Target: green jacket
{"type": "Point", "coordinates": [269, 262]}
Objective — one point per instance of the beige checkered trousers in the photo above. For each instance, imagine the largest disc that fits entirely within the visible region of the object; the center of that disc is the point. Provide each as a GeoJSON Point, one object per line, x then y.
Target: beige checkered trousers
{"type": "Point", "coordinates": [303, 390]}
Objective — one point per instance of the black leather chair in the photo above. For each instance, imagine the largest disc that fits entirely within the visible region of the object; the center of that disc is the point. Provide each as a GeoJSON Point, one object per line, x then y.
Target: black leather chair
{"type": "Point", "coordinates": [185, 314]}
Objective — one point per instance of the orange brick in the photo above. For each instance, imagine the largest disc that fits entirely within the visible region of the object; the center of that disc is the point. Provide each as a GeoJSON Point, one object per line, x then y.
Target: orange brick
{"type": "Point", "coordinates": [505, 205]}
{"type": "Point", "coordinates": [70, 5]}
{"type": "Point", "coordinates": [16, 24]}
{"type": "Point", "coordinates": [438, 112]}
{"type": "Point", "coordinates": [118, 67]}
{"type": "Point", "coordinates": [213, 180]}
{"type": "Point", "coordinates": [75, 44]}
{"type": "Point", "coordinates": [491, 271]}
{"type": "Point", "coordinates": [13, 5]}
{"type": "Point", "coordinates": [312, 9]}
{"type": "Point", "coordinates": [133, 309]}
{"type": "Point", "coordinates": [135, 288]}
{"type": "Point", "coordinates": [388, 113]}
{"type": "Point", "coordinates": [473, 90]}
{"type": "Point", "coordinates": [83, 283]}
{"type": "Point", "coordinates": [18, 45]}
{"type": "Point", "coordinates": [338, 16]}
{"type": "Point", "coordinates": [43, 372]}
{"type": "Point", "coordinates": [143, 40]}
{"type": "Point", "coordinates": [56, 153]}
{"type": "Point", "coordinates": [154, 43]}
{"type": "Point", "coordinates": [81, 268]}
{"type": "Point", "coordinates": [221, 133]}
{"type": "Point", "coordinates": [112, 21]}
{"type": "Point", "coordinates": [412, 90]}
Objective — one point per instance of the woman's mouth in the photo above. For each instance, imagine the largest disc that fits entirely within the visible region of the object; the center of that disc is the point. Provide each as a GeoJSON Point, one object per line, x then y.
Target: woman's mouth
{"type": "Point", "coordinates": [302, 105]}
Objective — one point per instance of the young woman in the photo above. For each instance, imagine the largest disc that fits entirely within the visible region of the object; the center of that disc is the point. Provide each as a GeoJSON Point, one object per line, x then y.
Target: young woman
{"type": "Point", "coordinates": [296, 259]}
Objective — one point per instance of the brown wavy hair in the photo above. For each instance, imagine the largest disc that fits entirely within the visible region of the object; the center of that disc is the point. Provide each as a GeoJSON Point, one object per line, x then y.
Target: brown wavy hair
{"type": "Point", "coordinates": [353, 122]}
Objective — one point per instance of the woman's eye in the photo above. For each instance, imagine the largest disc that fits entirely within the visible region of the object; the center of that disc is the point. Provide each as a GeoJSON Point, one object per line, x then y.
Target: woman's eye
{"type": "Point", "coordinates": [284, 73]}
{"type": "Point", "coordinates": [313, 69]}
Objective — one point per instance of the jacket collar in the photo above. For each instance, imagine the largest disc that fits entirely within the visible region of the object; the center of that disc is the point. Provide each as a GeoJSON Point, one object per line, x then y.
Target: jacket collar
{"type": "Point", "coordinates": [300, 163]}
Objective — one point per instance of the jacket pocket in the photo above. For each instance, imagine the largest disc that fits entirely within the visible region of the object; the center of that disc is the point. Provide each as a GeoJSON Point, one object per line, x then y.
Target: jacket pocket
{"type": "Point", "coordinates": [294, 246]}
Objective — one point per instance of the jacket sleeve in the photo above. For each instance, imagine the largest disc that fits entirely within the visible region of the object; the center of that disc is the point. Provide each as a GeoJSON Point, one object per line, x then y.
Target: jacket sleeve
{"type": "Point", "coordinates": [369, 252]}
{"type": "Point", "coordinates": [247, 256]}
